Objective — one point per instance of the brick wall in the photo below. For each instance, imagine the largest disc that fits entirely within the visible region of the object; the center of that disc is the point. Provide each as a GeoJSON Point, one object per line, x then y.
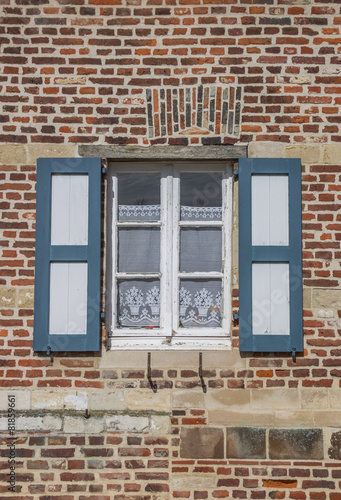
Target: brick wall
{"type": "Point", "coordinates": [177, 72]}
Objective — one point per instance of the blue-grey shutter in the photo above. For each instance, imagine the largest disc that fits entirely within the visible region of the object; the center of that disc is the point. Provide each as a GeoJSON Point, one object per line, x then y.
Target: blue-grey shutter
{"type": "Point", "coordinates": [291, 254]}
{"type": "Point", "coordinates": [47, 253]}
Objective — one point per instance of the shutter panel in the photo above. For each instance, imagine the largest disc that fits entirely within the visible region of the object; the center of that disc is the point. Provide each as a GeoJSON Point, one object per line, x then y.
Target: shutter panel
{"type": "Point", "coordinates": [270, 255]}
{"type": "Point", "coordinates": [68, 251]}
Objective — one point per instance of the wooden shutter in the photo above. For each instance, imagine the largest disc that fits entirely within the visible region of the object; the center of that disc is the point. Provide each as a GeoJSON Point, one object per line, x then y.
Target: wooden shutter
{"type": "Point", "coordinates": [270, 255]}
{"type": "Point", "coordinates": [68, 249]}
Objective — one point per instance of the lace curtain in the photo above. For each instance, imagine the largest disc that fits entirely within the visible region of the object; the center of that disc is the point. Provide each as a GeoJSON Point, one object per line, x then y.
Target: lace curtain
{"type": "Point", "coordinates": [139, 303]}
{"type": "Point", "coordinates": [200, 303]}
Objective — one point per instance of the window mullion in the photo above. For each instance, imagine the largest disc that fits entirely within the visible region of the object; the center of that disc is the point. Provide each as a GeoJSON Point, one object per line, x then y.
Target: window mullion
{"type": "Point", "coordinates": [176, 248]}
{"type": "Point", "coordinates": [166, 250]}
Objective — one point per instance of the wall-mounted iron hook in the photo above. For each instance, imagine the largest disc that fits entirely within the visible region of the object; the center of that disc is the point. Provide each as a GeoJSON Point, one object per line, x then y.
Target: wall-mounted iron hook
{"type": "Point", "coordinates": [86, 414]}
{"type": "Point", "coordinates": [149, 374]}
{"type": "Point", "coordinates": [203, 385]}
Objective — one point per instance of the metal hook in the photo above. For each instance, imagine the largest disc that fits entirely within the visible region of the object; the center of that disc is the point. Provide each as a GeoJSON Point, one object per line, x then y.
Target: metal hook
{"type": "Point", "coordinates": [149, 375]}
{"type": "Point", "coordinates": [86, 414]}
{"type": "Point", "coordinates": [203, 385]}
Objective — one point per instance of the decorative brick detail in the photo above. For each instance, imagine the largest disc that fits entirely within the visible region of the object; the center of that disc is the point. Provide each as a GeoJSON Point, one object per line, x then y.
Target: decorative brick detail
{"type": "Point", "coordinates": [194, 111]}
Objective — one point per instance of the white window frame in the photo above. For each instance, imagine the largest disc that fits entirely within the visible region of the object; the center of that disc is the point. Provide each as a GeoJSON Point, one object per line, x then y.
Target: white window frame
{"type": "Point", "coordinates": [169, 336]}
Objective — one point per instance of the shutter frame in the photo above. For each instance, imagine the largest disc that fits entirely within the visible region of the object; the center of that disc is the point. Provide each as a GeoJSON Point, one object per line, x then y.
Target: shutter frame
{"type": "Point", "coordinates": [291, 254]}
{"type": "Point", "coordinates": [46, 253]}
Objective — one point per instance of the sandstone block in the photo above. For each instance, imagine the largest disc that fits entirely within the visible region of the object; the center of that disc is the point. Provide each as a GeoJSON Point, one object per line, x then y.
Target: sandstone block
{"type": "Point", "coordinates": [275, 399]}
{"type": "Point", "coordinates": [52, 423]}
{"type": "Point", "coordinates": [22, 399]}
{"type": "Point", "coordinates": [189, 399]}
{"type": "Point", "coordinates": [335, 399]}
{"type": "Point", "coordinates": [140, 400]}
{"type": "Point", "coordinates": [160, 424]}
{"type": "Point", "coordinates": [334, 451]}
{"type": "Point", "coordinates": [265, 149]}
{"type": "Point", "coordinates": [80, 425]}
{"type": "Point", "coordinates": [307, 293]}
{"type": "Point", "coordinates": [13, 154]}
{"type": "Point", "coordinates": [329, 299]}
{"type": "Point", "coordinates": [240, 418]}
{"type": "Point", "coordinates": [245, 442]}
{"type": "Point", "coordinates": [228, 398]}
{"type": "Point", "coordinates": [57, 400]}
{"type": "Point", "coordinates": [107, 401]}
{"type": "Point", "coordinates": [332, 154]}
{"type": "Point", "coordinates": [314, 399]}
{"type": "Point", "coordinates": [306, 444]}
{"type": "Point", "coordinates": [26, 298]}
{"type": "Point", "coordinates": [8, 297]}
{"type": "Point", "coordinates": [36, 151]}
{"type": "Point", "coordinates": [327, 418]}
{"type": "Point", "coordinates": [127, 423]}
{"type": "Point", "coordinates": [294, 419]}
{"type": "Point", "coordinates": [308, 154]}
{"type": "Point", "coordinates": [202, 442]}
{"type": "Point", "coordinates": [194, 481]}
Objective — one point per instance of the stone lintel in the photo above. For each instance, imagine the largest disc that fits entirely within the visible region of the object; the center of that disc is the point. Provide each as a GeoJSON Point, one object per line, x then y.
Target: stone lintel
{"type": "Point", "coordinates": [128, 153]}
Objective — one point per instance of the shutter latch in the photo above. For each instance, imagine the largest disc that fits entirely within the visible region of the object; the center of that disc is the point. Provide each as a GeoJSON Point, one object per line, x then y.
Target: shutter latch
{"type": "Point", "coordinates": [49, 353]}
{"type": "Point", "coordinates": [293, 354]}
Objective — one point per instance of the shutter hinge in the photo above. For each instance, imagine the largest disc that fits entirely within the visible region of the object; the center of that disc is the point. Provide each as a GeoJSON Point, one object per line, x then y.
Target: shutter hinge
{"type": "Point", "coordinates": [235, 173]}
{"type": "Point", "coordinates": [293, 354]}
{"type": "Point", "coordinates": [235, 316]}
{"type": "Point", "coordinates": [102, 315]}
{"type": "Point", "coordinates": [104, 171]}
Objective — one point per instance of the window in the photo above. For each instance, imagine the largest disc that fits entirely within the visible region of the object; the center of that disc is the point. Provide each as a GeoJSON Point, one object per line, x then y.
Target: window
{"type": "Point", "coordinates": [169, 259]}
{"type": "Point", "coordinates": [169, 253]}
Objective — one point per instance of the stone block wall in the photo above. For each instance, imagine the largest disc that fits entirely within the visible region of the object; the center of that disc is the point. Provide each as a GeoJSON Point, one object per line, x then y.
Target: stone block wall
{"type": "Point", "coordinates": [79, 74]}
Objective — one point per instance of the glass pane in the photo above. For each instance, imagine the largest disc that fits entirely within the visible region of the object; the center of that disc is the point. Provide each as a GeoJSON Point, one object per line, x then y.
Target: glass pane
{"type": "Point", "coordinates": [200, 303]}
{"type": "Point", "coordinates": [139, 197]}
{"type": "Point", "coordinates": [200, 249]}
{"type": "Point", "coordinates": [270, 210]}
{"type": "Point", "coordinates": [68, 297]}
{"type": "Point", "coordinates": [139, 250]}
{"type": "Point", "coordinates": [270, 298]}
{"type": "Point", "coordinates": [69, 209]}
{"type": "Point", "coordinates": [201, 196]}
{"type": "Point", "coordinates": [138, 304]}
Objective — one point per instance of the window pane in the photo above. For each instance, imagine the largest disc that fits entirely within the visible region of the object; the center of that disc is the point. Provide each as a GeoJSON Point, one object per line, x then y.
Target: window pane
{"type": "Point", "coordinates": [68, 297]}
{"type": "Point", "coordinates": [139, 250]}
{"type": "Point", "coordinates": [200, 249]}
{"type": "Point", "coordinates": [69, 209]}
{"type": "Point", "coordinates": [200, 303]}
{"type": "Point", "coordinates": [270, 298]}
{"type": "Point", "coordinates": [139, 197]}
{"type": "Point", "coordinates": [138, 303]}
{"type": "Point", "coordinates": [270, 210]}
{"type": "Point", "coordinates": [200, 196]}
